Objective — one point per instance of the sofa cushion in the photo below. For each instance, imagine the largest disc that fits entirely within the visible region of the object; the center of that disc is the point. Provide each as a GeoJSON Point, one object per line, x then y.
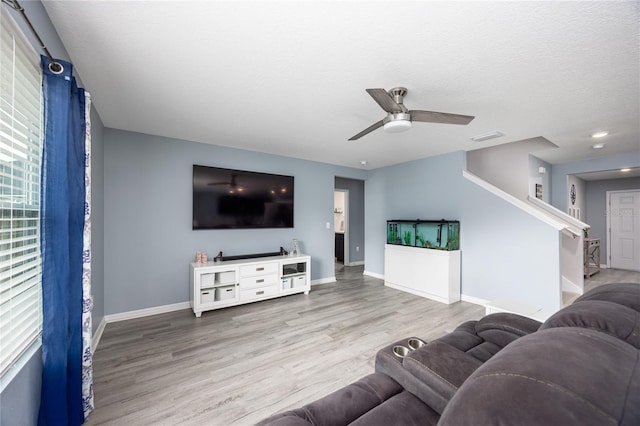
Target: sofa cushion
{"type": "Point", "coordinates": [401, 409]}
{"type": "Point", "coordinates": [503, 328]}
{"type": "Point", "coordinates": [611, 318]}
{"type": "Point", "coordinates": [562, 375]}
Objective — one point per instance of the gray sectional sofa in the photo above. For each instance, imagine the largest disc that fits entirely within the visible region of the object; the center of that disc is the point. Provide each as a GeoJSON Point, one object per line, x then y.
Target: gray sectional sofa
{"type": "Point", "coordinates": [580, 367]}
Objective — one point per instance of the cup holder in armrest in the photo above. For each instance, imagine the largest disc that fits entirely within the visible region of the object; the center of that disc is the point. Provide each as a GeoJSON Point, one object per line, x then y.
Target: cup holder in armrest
{"type": "Point", "coordinates": [415, 343]}
{"type": "Point", "coordinates": [400, 351]}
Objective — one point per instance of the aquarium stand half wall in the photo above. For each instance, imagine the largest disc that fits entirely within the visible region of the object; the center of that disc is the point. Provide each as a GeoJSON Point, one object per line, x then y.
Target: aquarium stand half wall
{"type": "Point", "coordinates": [430, 273]}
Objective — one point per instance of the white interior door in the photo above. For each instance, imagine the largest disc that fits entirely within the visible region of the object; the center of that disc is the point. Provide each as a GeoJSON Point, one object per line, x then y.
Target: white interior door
{"type": "Point", "coordinates": [624, 229]}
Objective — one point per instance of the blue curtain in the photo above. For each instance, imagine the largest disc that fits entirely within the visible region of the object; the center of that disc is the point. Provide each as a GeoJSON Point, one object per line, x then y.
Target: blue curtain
{"type": "Point", "coordinates": [62, 223]}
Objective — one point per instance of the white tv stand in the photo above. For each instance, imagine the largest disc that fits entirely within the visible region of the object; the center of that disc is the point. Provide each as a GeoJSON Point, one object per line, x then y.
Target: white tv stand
{"type": "Point", "coordinates": [215, 285]}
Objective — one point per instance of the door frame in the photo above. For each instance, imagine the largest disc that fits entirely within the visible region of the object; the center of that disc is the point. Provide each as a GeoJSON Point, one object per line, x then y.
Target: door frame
{"type": "Point", "coordinates": [346, 224]}
{"type": "Point", "coordinates": [608, 210]}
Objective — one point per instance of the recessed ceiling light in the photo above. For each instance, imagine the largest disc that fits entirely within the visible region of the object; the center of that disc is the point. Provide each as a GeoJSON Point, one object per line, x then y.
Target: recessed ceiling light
{"type": "Point", "coordinates": [597, 146]}
{"type": "Point", "coordinates": [487, 136]}
{"type": "Point", "coordinates": [364, 162]}
{"type": "Point", "coordinates": [599, 134]}
{"type": "Point", "coordinates": [625, 170]}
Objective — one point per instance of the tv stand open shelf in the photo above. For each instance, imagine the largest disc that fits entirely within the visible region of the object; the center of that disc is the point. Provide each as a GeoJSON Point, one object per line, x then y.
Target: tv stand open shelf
{"type": "Point", "coordinates": [216, 285]}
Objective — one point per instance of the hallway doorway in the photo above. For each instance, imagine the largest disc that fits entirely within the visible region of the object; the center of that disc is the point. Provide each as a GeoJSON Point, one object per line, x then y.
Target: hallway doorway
{"type": "Point", "coordinates": [348, 226]}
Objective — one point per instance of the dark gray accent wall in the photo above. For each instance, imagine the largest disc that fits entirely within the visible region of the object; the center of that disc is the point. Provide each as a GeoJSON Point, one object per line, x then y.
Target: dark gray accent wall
{"type": "Point", "coordinates": [596, 210]}
{"type": "Point", "coordinates": [149, 242]}
{"type": "Point", "coordinates": [356, 216]}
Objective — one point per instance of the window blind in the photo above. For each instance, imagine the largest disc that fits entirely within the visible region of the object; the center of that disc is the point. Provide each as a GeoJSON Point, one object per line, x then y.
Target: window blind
{"type": "Point", "coordinates": [20, 161]}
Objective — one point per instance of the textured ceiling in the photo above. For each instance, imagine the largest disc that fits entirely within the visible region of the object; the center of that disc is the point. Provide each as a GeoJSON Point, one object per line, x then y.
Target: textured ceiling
{"type": "Point", "coordinates": [289, 78]}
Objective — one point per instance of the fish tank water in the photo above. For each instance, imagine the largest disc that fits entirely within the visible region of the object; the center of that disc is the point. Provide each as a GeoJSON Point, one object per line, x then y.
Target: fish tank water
{"type": "Point", "coordinates": [434, 234]}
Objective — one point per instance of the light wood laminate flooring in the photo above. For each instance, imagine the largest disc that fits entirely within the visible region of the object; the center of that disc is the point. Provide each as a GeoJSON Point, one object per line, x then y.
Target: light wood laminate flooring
{"type": "Point", "coordinates": [238, 365]}
{"type": "Point", "coordinates": [604, 277]}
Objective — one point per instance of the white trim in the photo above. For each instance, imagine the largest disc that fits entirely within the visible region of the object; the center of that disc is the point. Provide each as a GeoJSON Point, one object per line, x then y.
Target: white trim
{"type": "Point", "coordinates": [122, 316]}
{"type": "Point", "coordinates": [421, 293]}
{"type": "Point", "coordinates": [559, 213]}
{"type": "Point", "coordinates": [358, 263]}
{"type": "Point", "coordinates": [570, 286]}
{"type": "Point", "coordinates": [608, 215]}
{"type": "Point", "coordinates": [323, 281]}
{"type": "Point", "coordinates": [373, 274]}
{"type": "Point", "coordinates": [473, 299]}
{"type": "Point", "coordinates": [98, 335]}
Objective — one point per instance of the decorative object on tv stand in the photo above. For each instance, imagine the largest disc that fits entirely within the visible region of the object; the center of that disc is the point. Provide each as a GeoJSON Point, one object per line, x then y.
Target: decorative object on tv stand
{"type": "Point", "coordinates": [295, 250]}
{"type": "Point", "coordinates": [201, 257]}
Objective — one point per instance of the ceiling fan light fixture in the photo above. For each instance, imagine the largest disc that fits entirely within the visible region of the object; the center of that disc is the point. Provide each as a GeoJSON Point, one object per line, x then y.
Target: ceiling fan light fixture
{"type": "Point", "coordinates": [396, 123]}
{"type": "Point", "coordinates": [397, 126]}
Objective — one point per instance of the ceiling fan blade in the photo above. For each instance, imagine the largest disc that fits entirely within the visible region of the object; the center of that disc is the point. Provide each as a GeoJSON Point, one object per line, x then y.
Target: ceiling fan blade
{"type": "Point", "coordinates": [367, 130]}
{"type": "Point", "coordinates": [440, 117]}
{"type": "Point", "coordinates": [384, 99]}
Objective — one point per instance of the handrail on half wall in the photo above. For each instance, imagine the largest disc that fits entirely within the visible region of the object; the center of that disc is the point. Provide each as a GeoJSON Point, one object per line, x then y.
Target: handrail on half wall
{"type": "Point", "coordinates": [576, 223]}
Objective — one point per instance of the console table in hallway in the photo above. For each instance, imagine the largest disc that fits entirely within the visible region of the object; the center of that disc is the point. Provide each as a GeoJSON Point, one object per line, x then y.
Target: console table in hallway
{"type": "Point", "coordinates": [591, 256]}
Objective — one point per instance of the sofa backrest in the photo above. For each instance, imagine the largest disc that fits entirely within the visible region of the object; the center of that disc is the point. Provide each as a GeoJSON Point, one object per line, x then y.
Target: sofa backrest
{"type": "Point", "coordinates": [566, 375]}
{"type": "Point", "coordinates": [612, 308]}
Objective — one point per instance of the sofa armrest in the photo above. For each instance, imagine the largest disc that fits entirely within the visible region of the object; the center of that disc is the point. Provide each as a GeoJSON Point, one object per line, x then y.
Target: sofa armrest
{"type": "Point", "coordinates": [441, 367]}
{"type": "Point", "coordinates": [503, 328]}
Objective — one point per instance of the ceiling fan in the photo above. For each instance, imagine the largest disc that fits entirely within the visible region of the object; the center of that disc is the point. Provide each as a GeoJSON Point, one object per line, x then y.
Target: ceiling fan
{"type": "Point", "coordinates": [399, 118]}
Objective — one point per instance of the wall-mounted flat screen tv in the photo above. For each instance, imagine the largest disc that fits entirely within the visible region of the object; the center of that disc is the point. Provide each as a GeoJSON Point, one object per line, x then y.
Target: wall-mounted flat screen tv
{"type": "Point", "coordinates": [236, 199]}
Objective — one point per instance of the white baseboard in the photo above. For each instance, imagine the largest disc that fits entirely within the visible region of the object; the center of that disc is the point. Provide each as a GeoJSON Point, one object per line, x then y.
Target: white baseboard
{"type": "Point", "coordinates": [474, 300]}
{"type": "Point", "coordinates": [323, 281]}
{"type": "Point", "coordinates": [146, 312]}
{"type": "Point", "coordinates": [98, 335]}
{"type": "Point", "coordinates": [358, 263]}
{"type": "Point", "coordinates": [373, 274]}
{"type": "Point", "coordinates": [570, 286]}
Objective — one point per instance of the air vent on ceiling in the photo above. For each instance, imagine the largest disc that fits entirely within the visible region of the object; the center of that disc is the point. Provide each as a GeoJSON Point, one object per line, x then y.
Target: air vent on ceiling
{"type": "Point", "coordinates": [487, 136]}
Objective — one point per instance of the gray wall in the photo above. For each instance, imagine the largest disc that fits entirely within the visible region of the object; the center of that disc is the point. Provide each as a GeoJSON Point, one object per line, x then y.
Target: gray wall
{"type": "Point", "coordinates": [581, 196]}
{"type": "Point", "coordinates": [148, 237]}
{"type": "Point", "coordinates": [507, 166]}
{"type": "Point", "coordinates": [20, 400]}
{"type": "Point", "coordinates": [560, 171]}
{"type": "Point", "coordinates": [500, 244]}
{"type": "Point", "coordinates": [356, 216]}
{"type": "Point", "coordinates": [535, 177]}
{"type": "Point", "coordinates": [596, 207]}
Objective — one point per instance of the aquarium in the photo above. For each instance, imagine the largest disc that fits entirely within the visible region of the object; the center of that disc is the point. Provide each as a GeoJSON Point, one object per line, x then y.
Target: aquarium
{"type": "Point", "coordinates": [435, 234]}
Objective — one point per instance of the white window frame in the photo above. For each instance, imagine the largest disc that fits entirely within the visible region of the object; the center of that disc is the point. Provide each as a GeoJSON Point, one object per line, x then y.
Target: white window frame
{"type": "Point", "coordinates": [21, 134]}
